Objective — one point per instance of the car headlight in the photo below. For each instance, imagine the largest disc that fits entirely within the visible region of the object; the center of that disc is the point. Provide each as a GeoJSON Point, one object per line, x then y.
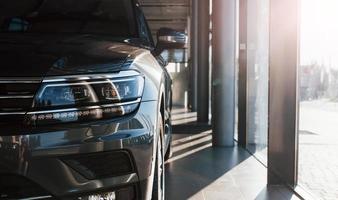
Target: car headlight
{"type": "Point", "coordinates": [79, 99]}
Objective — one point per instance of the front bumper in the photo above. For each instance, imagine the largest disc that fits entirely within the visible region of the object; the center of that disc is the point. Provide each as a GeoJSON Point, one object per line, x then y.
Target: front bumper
{"type": "Point", "coordinates": [42, 158]}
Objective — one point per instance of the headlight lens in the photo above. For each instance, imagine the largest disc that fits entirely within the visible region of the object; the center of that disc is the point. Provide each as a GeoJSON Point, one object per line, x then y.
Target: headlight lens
{"type": "Point", "coordinates": [85, 99]}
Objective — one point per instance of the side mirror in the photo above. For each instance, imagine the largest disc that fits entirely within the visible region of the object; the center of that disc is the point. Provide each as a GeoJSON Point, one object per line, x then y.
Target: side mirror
{"type": "Point", "coordinates": [17, 24]}
{"type": "Point", "coordinates": [170, 39]}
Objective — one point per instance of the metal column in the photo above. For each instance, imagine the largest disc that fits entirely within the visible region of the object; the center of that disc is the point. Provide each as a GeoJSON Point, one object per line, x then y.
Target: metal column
{"type": "Point", "coordinates": [223, 72]}
{"type": "Point", "coordinates": [242, 74]}
{"type": "Point", "coordinates": [203, 61]}
{"type": "Point", "coordinates": [194, 55]}
{"type": "Point", "coordinates": [283, 103]}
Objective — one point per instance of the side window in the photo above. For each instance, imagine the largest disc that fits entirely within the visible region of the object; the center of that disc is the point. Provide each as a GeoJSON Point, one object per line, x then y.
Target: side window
{"type": "Point", "coordinates": [145, 33]}
{"type": "Point", "coordinates": [143, 28]}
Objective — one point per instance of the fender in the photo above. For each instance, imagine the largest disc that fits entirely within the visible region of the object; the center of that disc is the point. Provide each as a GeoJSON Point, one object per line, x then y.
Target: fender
{"type": "Point", "coordinates": [148, 66]}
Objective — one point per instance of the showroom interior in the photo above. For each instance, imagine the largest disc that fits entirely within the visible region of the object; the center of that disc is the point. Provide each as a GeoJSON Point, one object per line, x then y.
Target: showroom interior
{"type": "Point", "coordinates": [248, 121]}
{"type": "Point", "coordinates": [254, 100]}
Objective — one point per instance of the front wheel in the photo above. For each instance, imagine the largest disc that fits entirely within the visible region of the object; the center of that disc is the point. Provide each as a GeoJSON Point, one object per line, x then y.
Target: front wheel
{"type": "Point", "coordinates": [169, 152]}
{"type": "Point", "coordinates": [159, 173]}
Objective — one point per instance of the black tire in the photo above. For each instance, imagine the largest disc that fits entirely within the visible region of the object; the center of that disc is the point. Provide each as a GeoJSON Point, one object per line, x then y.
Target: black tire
{"type": "Point", "coordinates": [169, 152]}
{"type": "Point", "coordinates": [159, 173]}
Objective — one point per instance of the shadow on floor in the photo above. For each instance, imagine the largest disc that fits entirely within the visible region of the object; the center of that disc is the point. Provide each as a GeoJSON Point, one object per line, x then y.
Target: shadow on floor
{"type": "Point", "coordinates": [195, 165]}
{"type": "Point", "coordinates": [186, 122]}
{"type": "Point", "coordinates": [192, 128]}
{"type": "Point", "coordinates": [276, 192]}
{"type": "Point", "coordinates": [199, 171]}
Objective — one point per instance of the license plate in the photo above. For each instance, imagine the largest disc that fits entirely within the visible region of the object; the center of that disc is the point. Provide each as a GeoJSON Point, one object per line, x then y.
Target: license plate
{"type": "Point", "coordinates": [103, 196]}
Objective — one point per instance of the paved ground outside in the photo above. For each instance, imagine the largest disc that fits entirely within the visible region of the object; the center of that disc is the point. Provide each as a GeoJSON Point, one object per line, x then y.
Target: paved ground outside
{"type": "Point", "coordinates": [318, 150]}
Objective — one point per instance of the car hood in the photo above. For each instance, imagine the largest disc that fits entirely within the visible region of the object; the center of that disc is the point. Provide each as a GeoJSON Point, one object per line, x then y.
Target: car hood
{"type": "Point", "coordinates": [23, 55]}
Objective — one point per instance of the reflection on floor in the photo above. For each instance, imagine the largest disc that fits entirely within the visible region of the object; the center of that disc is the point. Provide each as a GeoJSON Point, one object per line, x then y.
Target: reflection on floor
{"type": "Point", "coordinates": [199, 171]}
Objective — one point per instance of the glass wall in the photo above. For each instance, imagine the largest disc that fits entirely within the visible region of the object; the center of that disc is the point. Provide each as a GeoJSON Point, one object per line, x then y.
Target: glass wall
{"type": "Point", "coordinates": [258, 74]}
{"type": "Point", "coordinates": [318, 95]}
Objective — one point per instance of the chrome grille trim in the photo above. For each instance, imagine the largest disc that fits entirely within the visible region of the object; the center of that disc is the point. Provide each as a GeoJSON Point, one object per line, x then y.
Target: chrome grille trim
{"type": "Point", "coordinates": [12, 113]}
{"type": "Point", "coordinates": [16, 93]}
{"type": "Point", "coordinates": [18, 97]}
{"type": "Point", "coordinates": [37, 198]}
{"type": "Point", "coordinates": [19, 80]}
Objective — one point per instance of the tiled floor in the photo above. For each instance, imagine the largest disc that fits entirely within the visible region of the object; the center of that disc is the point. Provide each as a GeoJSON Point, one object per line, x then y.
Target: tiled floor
{"type": "Point", "coordinates": [318, 148]}
{"type": "Point", "coordinates": [199, 171]}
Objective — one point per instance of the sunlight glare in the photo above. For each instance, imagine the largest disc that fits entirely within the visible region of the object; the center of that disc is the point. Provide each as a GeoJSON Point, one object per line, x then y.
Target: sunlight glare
{"type": "Point", "coordinates": [319, 31]}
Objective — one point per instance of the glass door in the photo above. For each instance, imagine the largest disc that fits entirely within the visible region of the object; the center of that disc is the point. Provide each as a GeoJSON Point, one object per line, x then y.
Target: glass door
{"type": "Point", "coordinates": [257, 76]}
{"type": "Point", "coordinates": [318, 99]}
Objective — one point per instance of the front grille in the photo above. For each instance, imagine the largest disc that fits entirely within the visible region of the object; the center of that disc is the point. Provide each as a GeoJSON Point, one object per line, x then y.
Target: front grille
{"type": "Point", "coordinates": [101, 165]}
{"type": "Point", "coordinates": [16, 96]}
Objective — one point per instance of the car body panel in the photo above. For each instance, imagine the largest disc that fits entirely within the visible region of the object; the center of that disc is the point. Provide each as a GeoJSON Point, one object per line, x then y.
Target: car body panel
{"type": "Point", "coordinates": [36, 152]}
{"type": "Point", "coordinates": [37, 156]}
{"type": "Point", "coordinates": [53, 55]}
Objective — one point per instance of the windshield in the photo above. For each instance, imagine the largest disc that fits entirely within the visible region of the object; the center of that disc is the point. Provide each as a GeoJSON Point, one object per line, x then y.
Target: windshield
{"type": "Point", "coordinates": [109, 17]}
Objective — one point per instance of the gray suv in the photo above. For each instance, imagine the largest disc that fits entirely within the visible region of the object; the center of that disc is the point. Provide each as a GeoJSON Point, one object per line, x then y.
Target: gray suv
{"type": "Point", "coordinates": [85, 100]}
